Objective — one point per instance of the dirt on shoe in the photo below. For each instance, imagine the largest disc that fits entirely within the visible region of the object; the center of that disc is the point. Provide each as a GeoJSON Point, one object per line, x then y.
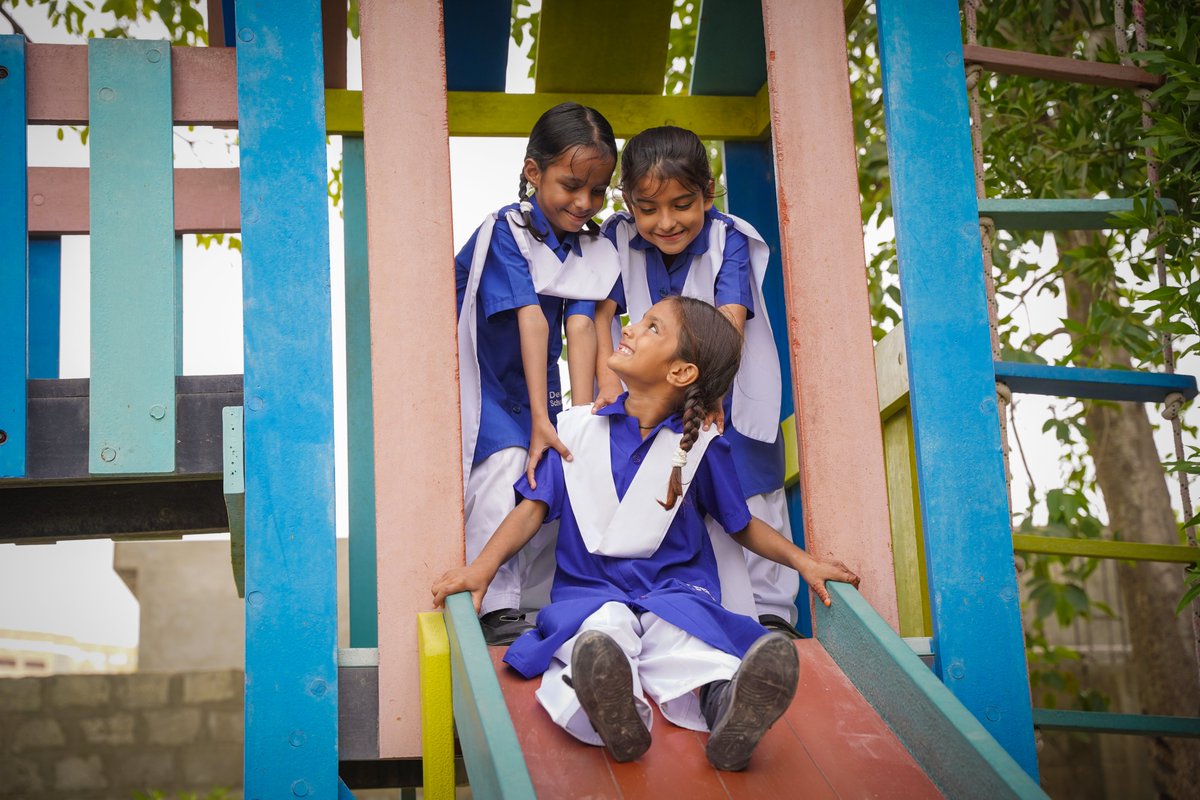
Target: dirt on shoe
{"type": "Point", "coordinates": [761, 690]}
{"type": "Point", "coordinates": [603, 682]}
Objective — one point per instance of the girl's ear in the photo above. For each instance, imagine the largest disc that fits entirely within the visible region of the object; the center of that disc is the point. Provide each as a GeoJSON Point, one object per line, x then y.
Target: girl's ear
{"type": "Point", "coordinates": [628, 201]}
{"type": "Point", "coordinates": [710, 194]}
{"type": "Point", "coordinates": [682, 374]}
{"type": "Point", "coordinates": [533, 173]}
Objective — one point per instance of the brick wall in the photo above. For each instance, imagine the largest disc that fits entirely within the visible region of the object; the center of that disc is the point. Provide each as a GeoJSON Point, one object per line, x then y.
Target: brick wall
{"type": "Point", "coordinates": [96, 737]}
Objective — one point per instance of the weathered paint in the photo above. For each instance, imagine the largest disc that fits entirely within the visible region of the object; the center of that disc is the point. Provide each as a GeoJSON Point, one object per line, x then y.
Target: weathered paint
{"type": "Point", "coordinates": [1060, 215]}
{"type": "Point", "coordinates": [418, 469]}
{"type": "Point", "coordinates": [45, 304]}
{"type": "Point", "coordinates": [206, 201]}
{"type": "Point", "coordinates": [956, 751]}
{"type": "Point", "coordinates": [13, 257]}
{"type": "Point", "coordinates": [621, 48]}
{"type": "Point", "coordinates": [291, 585]}
{"type": "Point", "coordinates": [978, 643]}
{"type": "Point", "coordinates": [495, 764]}
{"type": "Point", "coordinates": [437, 707]}
{"type": "Point", "coordinates": [133, 292]}
{"type": "Point", "coordinates": [360, 433]}
{"type": "Point", "coordinates": [840, 444]}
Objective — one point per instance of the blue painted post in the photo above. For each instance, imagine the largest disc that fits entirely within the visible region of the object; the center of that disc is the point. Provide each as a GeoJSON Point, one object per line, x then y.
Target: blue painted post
{"type": "Point", "coordinates": [360, 424]}
{"type": "Point", "coordinates": [132, 187]}
{"type": "Point", "coordinates": [291, 586]}
{"type": "Point", "coordinates": [476, 45]}
{"type": "Point", "coordinates": [978, 642]}
{"type": "Point", "coordinates": [45, 304]}
{"type": "Point", "coordinates": [13, 257]}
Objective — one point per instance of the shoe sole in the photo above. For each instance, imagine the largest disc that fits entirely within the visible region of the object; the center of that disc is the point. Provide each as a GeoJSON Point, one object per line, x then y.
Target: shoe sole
{"type": "Point", "coordinates": [603, 683]}
{"type": "Point", "coordinates": [761, 691]}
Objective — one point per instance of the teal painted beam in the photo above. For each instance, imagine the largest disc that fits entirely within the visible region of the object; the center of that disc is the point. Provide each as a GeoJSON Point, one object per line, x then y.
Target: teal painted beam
{"type": "Point", "coordinates": [953, 748]}
{"type": "Point", "coordinates": [132, 199]}
{"type": "Point", "coordinates": [13, 257]}
{"type": "Point", "coordinates": [45, 306]}
{"type": "Point", "coordinates": [495, 763]}
{"type": "Point", "coordinates": [1093, 384]}
{"type": "Point", "coordinates": [291, 696]}
{"type": "Point", "coordinates": [731, 51]}
{"type": "Point", "coordinates": [234, 489]}
{"type": "Point", "coordinates": [979, 645]}
{"type": "Point", "coordinates": [1060, 215]}
{"type": "Point", "coordinates": [360, 425]}
{"type": "Point", "coordinates": [1105, 722]}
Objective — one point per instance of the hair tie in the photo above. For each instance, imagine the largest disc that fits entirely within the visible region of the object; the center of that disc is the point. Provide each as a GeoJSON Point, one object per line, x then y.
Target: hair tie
{"type": "Point", "coordinates": [526, 207]}
{"type": "Point", "coordinates": [680, 458]}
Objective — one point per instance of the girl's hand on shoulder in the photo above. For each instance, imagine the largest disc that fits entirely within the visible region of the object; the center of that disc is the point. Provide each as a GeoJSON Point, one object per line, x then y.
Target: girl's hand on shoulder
{"type": "Point", "coordinates": [715, 417]}
{"type": "Point", "coordinates": [607, 393]}
{"type": "Point", "coordinates": [815, 572]}
{"type": "Point", "coordinates": [460, 579]}
{"type": "Point", "coordinates": [542, 438]}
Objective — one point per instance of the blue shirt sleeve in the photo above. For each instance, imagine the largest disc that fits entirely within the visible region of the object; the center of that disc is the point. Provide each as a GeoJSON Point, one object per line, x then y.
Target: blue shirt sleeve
{"type": "Point", "coordinates": [617, 295]}
{"type": "Point", "coordinates": [734, 277]}
{"type": "Point", "coordinates": [716, 488]}
{"type": "Point", "coordinates": [506, 283]}
{"type": "Point", "coordinates": [586, 308]}
{"type": "Point", "coordinates": [551, 487]}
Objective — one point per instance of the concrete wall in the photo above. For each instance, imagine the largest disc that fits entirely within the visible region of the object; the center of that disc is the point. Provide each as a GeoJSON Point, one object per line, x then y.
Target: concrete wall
{"type": "Point", "coordinates": [94, 737]}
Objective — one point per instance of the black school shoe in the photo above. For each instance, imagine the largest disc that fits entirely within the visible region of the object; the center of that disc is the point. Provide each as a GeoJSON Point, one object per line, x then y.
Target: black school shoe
{"type": "Point", "coordinates": [740, 711]}
{"type": "Point", "coordinates": [603, 682]}
{"type": "Point", "coordinates": [503, 626]}
{"type": "Point", "coordinates": [774, 622]}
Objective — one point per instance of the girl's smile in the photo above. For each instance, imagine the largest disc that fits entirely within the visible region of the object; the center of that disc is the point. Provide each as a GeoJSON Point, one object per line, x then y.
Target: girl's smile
{"type": "Point", "coordinates": [571, 190]}
{"type": "Point", "coordinates": [668, 214]}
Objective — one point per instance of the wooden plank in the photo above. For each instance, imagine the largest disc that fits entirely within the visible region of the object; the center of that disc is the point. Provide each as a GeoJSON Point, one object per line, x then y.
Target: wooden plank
{"type": "Point", "coordinates": [360, 430]}
{"type": "Point", "coordinates": [891, 373]}
{"type": "Point", "coordinates": [495, 764]}
{"type": "Point", "coordinates": [957, 753]}
{"type": "Point", "coordinates": [477, 37]}
{"type": "Point", "coordinates": [1093, 384]}
{"type": "Point", "coordinates": [621, 50]}
{"type": "Point", "coordinates": [824, 273]}
{"type": "Point", "coordinates": [333, 42]}
{"type": "Point", "coordinates": [1105, 722]}
{"type": "Point", "coordinates": [45, 303]}
{"type": "Point", "coordinates": [907, 542]}
{"type": "Point", "coordinates": [206, 201]}
{"type": "Point", "coordinates": [234, 488]}
{"type": "Point", "coordinates": [1060, 68]}
{"type": "Point", "coordinates": [1103, 548]}
{"type": "Point", "coordinates": [40, 513]}
{"type": "Point", "coordinates": [979, 644]}
{"type": "Point", "coordinates": [13, 257]}
{"type": "Point", "coordinates": [1060, 215]}
{"type": "Point", "coordinates": [418, 501]}
{"type": "Point", "coordinates": [133, 277]}
{"type": "Point", "coordinates": [437, 707]}
{"type": "Point", "coordinates": [291, 613]}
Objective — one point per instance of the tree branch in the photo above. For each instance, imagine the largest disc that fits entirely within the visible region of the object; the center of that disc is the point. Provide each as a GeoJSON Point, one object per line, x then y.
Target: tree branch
{"type": "Point", "coordinates": [16, 26]}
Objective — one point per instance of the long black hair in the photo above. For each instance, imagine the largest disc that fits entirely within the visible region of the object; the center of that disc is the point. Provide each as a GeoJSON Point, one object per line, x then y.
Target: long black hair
{"type": "Point", "coordinates": [562, 128]}
{"type": "Point", "coordinates": [664, 153]}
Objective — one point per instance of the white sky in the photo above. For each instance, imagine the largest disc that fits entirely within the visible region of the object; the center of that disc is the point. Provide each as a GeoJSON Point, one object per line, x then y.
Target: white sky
{"type": "Point", "coordinates": [70, 588]}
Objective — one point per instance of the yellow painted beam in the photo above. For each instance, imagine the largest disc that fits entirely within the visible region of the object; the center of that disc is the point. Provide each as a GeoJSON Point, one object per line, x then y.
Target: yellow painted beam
{"type": "Point", "coordinates": [437, 707]}
{"type": "Point", "coordinates": [619, 46]}
{"type": "Point", "coordinates": [791, 452]}
{"type": "Point", "coordinates": [500, 114]}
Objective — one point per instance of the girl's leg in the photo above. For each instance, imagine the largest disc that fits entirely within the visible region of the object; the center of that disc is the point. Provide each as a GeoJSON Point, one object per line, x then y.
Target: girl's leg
{"type": "Point", "coordinates": [557, 693]}
{"type": "Point", "coordinates": [489, 499]}
{"type": "Point", "coordinates": [673, 664]}
{"type": "Point", "coordinates": [775, 586]}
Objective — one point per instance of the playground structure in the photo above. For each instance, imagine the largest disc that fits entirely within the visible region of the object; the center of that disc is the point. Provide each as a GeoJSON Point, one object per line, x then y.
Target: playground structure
{"type": "Point", "coordinates": [140, 450]}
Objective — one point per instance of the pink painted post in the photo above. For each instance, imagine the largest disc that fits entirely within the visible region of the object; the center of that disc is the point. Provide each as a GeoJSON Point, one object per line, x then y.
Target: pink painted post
{"type": "Point", "coordinates": [837, 408]}
{"type": "Point", "coordinates": [414, 350]}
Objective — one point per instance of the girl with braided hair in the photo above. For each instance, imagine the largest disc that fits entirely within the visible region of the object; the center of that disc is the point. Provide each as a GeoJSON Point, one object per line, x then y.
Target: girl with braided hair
{"type": "Point", "coordinates": [636, 606]}
{"type": "Point", "coordinates": [531, 269]}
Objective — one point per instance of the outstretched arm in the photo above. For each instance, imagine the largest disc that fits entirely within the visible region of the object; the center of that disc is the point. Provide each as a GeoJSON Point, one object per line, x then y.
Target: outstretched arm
{"type": "Point", "coordinates": [607, 382]}
{"type": "Point", "coordinates": [581, 358]}
{"type": "Point", "coordinates": [762, 539]}
{"type": "Point", "coordinates": [514, 532]}
{"type": "Point", "coordinates": [535, 334]}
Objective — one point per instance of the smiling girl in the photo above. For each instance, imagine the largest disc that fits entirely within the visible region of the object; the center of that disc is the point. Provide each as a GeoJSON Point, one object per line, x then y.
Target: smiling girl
{"type": "Point", "coordinates": [636, 604]}
{"type": "Point", "coordinates": [532, 269]}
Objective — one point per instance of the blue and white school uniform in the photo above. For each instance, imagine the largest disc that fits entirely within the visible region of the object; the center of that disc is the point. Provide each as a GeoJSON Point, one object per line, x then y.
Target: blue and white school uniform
{"type": "Point", "coordinates": [723, 265]}
{"type": "Point", "coordinates": [643, 574]}
{"type": "Point", "coordinates": [500, 269]}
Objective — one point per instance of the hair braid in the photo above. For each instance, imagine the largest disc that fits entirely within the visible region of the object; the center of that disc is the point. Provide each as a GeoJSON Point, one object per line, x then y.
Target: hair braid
{"type": "Point", "coordinates": [693, 416]}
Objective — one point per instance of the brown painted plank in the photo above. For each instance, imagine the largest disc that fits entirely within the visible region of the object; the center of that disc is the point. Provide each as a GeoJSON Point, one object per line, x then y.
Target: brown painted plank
{"type": "Point", "coordinates": [203, 84]}
{"type": "Point", "coordinates": [206, 201]}
{"type": "Point", "coordinates": [855, 749]}
{"type": "Point", "coordinates": [333, 42]}
{"type": "Point", "coordinates": [1059, 68]}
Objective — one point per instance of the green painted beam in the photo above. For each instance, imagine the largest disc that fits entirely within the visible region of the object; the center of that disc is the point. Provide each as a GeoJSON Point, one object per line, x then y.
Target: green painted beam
{"type": "Point", "coordinates": [953, 748]}
{"type": "Point", "coordinates": [234, 488]}
{"type": "Point", "coordinates": [1102, 548]}
{"type": "Point", "coordinates": [1105, 722]}
{"type": "Point", "coordinates": [619, 46]}
{"type": "Point", "coordinates": [500, 114]}
{"type": "Point", "coordinates": [1059, 215]}
{"type": "Point", "coordinates": [495, 763]}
